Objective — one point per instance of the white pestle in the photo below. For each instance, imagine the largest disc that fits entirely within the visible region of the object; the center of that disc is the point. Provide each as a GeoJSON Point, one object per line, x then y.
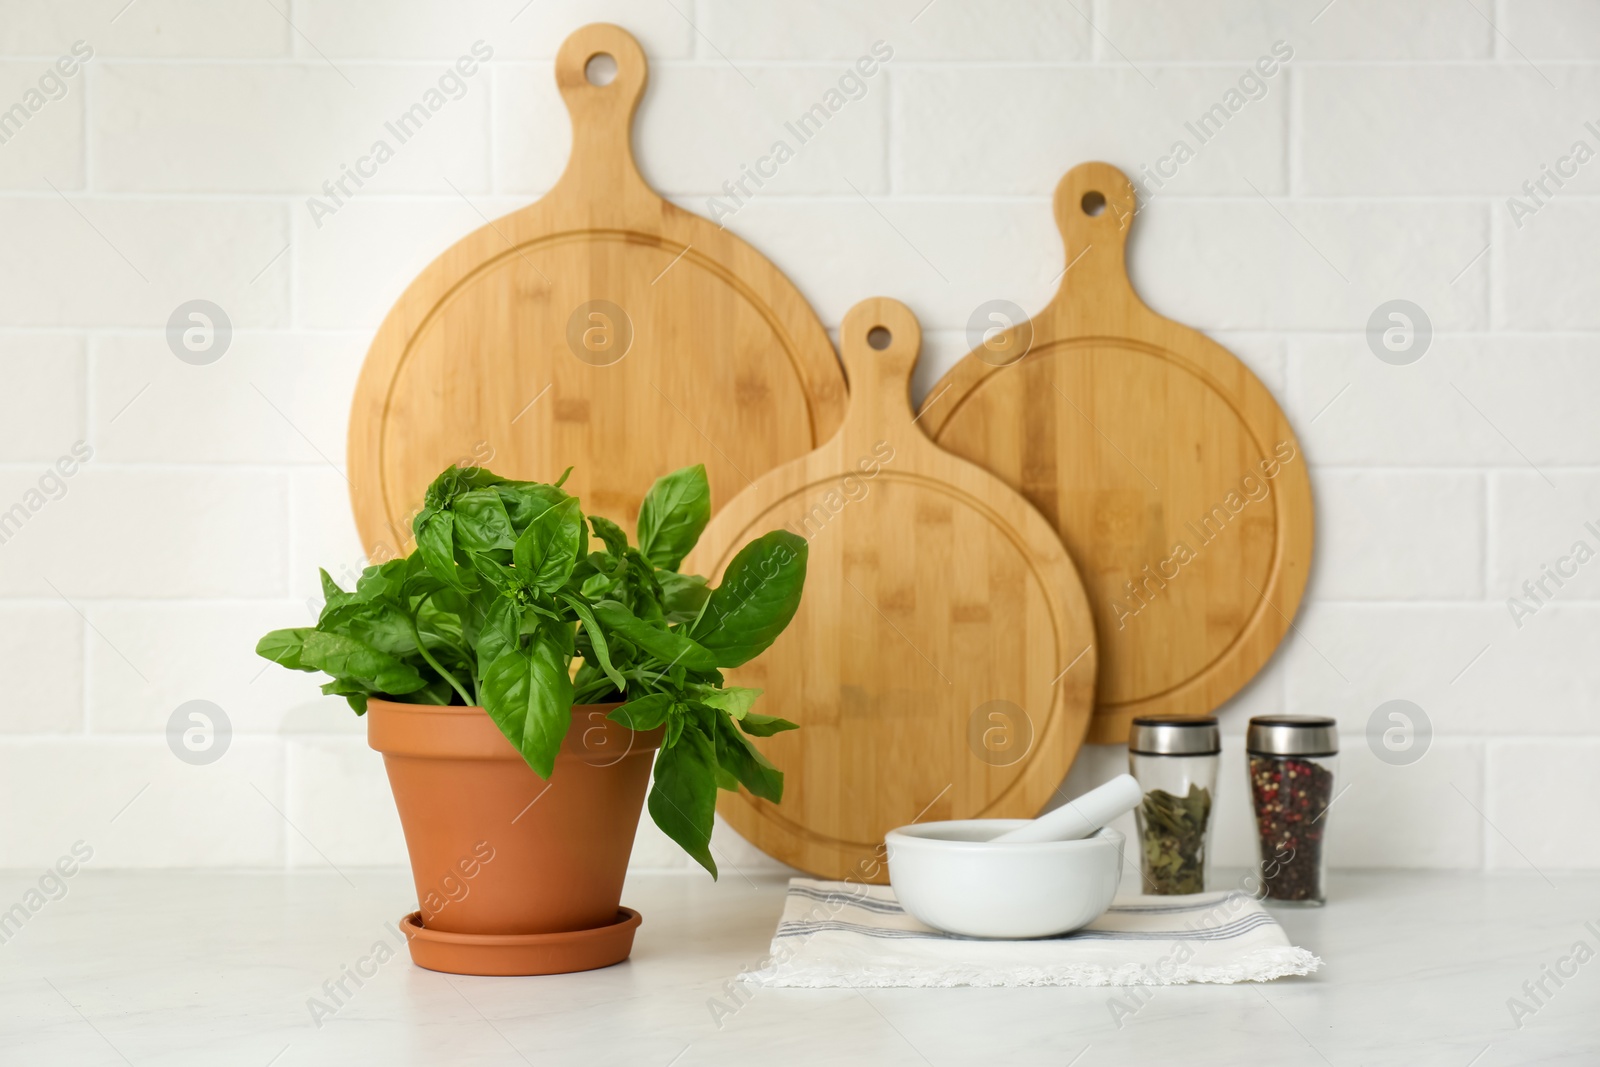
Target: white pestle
{"type": "Point", "coordinates": [1081, 817]}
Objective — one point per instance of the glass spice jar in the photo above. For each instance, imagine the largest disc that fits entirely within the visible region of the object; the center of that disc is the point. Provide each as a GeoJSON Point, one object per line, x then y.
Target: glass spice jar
{"type": "Point", "coordinates": [1174, 759]}
{"type": "Point", "coordinates": [1292, 760]}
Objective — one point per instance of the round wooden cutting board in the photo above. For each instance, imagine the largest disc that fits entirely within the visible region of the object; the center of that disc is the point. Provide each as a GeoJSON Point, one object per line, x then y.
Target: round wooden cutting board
{"type": "Point", "coordinates": [942, 662]}
{"type": "Point", "coordinates": [1166, 466]}
{"type": "Point", "coordinates": [600, 328]}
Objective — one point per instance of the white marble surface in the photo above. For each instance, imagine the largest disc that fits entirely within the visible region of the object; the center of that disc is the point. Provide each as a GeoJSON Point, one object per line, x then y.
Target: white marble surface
{"type": "Point", "coordinates": [216, 968]}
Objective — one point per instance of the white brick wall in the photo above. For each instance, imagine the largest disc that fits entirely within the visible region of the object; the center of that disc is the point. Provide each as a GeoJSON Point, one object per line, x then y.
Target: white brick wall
{"type": "Point", "coordinates": [1375, 165]}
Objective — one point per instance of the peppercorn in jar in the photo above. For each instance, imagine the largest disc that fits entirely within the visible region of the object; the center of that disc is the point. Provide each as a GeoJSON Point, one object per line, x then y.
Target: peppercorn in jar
{"type": "Point", "coordinates": [1292, 760]}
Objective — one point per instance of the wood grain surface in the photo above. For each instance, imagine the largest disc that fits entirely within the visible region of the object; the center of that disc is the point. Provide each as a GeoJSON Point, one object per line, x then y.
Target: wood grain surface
{"type": "Point", "coordinates": [601, 328]}
{"type": "Point", "coordinates": [941, 664]}
{"type": "Point", "coordinates": [1169, 470]}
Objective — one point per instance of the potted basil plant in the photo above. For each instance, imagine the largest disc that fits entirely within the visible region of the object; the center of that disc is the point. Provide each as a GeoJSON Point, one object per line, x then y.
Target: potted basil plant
{"type": "Point", "coordinates": [519, 670]}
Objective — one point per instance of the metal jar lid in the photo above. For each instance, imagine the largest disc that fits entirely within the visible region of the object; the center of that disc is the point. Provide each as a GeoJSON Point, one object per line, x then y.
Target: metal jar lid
{"type": "Point", "coordinates": [1174, 735]}
{"type": "Point", "coordinates": [1292, 735]}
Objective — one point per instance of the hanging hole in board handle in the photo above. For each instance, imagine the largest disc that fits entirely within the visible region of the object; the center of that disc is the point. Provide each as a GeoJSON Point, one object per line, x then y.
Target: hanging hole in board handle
{"type": "Point", "coordinates": [601, 69]}
{"type": "Point", "coordinates": [601, 72]}
{"type": "Point", "coordinates": [878, 341]}
{"type": "Point", "coordinates": [1093, 203]}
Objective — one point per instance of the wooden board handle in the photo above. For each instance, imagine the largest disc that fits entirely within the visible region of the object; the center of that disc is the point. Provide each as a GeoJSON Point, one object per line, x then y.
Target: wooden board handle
{"type": "Point", "coordinates": [879, 341]}
{"type": "Point", "coordinates": [1094, 208]}
{"type": "Point", "coordinates": [602, 163]}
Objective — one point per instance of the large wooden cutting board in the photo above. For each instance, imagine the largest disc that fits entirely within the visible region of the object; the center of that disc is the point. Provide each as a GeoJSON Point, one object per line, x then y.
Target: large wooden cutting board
{"type": "Point", "coordinates": [601, 328]}
{"type": "Point", "coordinates": [941, 664]}
{"type": "Point", "coordinates": [1168, 468]}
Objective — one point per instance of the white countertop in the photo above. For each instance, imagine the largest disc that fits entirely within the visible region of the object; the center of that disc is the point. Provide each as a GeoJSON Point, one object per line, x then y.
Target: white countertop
{"type": "Point", "coordinates": [216, 968]}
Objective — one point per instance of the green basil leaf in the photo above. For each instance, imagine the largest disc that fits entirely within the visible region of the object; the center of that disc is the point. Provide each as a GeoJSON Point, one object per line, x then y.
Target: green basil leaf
{"type": "Point", "coordinates": [550, 661]}
{"type": "Point", "coordinates": [549, 548]}
{"type": "Point", "coordinates": [435, 534]}
{"type": "Point", "coordinates": [419, 581]}
{"type": "Point", "coordinates": [734, 700]}
{"type": "Point", "coordinates": [639, 588]}
{"type": "Point", "coordinates": [337, 616]}
{"type": "Point", "coordinates": [442, 620]}
{"type": "Point", "coordinates": [674, 513]}
{"type": "Point", "coordinates": [441, 490]}
{"type": "Point", "coordinates": [286, 647]}
{"type": "Point", "coordinates": [683, 798]}
{"type": "Point", "coordinates": [496, 574]}
{"type": "Point", "coordinates": [354, 695]}
{"type": "Point", "coordinates": [330, 588]}
{"type": "Point", "coordinates": [347, 657]}
{"type": "Point", "coordinates": [669, 646]}
{"type": "Point", "coordinates": [597, 639]}
{"type": "Point", "coordinates": [374, 618]}
{"type": "Point", "coordinates": [471, 608]}
{"type": "Point", "coordinates": [453, 481]}
{"type": "Point", "coordinates": [682, 595]}
{"type": "Point", "coordinates": [342, 687]}
{"type": "Point", "coordinates": [740, 758]}
{"type": "Point", "coordinates": [385, 581]}
{"type": "Point", "coordinates": [563, 635]}
{"type": "Point", "coordinates": [646, 713]}
{"type": "Point", "coordinates": [336, 607]}
{"type": "Point", "coordinates": [759, 594]}
{"type": "Point", "coordinates": [420, 517]}
{"type": "Point", "coordinates": [481, 523]}
{"type": "Point", "coordinates": [537, 617]}
{"type": "Point", "coordinates": [764, 725]}
{"type": "Point", "coordinates": [526, 501]}
{"type": "Point", "coordinates": [498, 635]}
{"type": "Point", "coordinates": [529, 695]}
{"type": "Point", "coordinates": [380, 624]}
{"type": "Point", "coordinates": [611, 535]}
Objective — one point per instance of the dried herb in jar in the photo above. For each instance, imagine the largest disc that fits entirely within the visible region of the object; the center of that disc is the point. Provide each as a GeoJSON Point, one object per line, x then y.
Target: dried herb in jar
{"type": "Point", "coordinates": [1174, 831]}
{"type": "Point", "coordinates": [1291, 797]}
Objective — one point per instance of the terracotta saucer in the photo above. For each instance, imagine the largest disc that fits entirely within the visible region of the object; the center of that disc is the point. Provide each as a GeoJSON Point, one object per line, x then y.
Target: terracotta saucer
{"type": "Point", "coordinates": [516, 954]}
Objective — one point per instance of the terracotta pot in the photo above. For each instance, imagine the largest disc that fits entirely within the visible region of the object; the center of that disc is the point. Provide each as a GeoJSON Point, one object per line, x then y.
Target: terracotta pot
{"type": "Point", "coordinates": [497, 850]}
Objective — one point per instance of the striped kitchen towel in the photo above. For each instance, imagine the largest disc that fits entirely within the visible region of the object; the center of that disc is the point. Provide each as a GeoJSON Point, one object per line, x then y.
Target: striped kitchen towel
{"type": "Point", "coordinates": [850, 935]}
